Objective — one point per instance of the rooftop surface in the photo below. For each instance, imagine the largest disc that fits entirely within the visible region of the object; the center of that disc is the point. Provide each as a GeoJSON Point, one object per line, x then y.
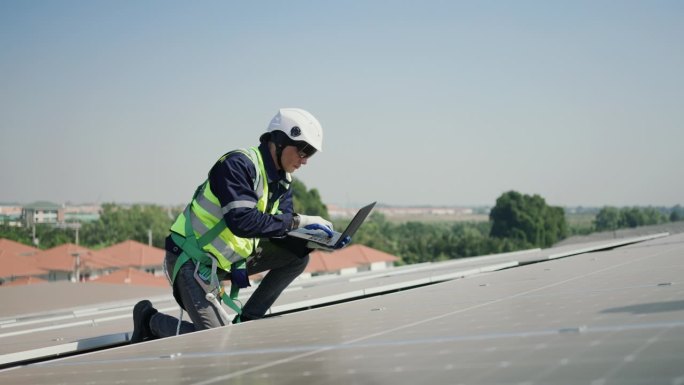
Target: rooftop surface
{"type": "Point", "coordinates": [559, 316]}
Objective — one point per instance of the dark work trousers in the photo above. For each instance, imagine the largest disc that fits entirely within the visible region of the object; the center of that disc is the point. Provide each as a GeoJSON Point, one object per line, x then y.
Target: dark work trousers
{"type": "Point", "coordinates": [285, 260]}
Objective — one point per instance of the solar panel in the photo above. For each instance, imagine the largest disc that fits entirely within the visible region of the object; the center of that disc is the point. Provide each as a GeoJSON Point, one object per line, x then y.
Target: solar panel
{"type": "Point", "coordinates": [77, 328]}
{"type": "Point", "coordinates": [609, 317]}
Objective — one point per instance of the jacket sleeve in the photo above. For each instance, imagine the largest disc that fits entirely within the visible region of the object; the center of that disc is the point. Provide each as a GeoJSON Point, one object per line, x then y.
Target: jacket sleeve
{"type": "Point", "coordinates": [231, 182]}
{"type": "Point", "coordinates": [285, 205]}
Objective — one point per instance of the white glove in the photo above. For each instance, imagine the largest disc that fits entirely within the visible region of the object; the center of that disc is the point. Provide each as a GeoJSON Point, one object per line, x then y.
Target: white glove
{"type": "Point", "coordinates": [308, 220]}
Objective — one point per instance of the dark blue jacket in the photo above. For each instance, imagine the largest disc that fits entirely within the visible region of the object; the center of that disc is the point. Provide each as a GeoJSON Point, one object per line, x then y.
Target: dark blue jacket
{"type": "Point", "coordinates": [231, 180]}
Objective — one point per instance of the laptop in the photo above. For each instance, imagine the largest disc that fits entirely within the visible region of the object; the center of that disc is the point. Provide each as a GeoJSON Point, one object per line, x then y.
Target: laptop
{"type": "Point", "coordinates": [322, 239]}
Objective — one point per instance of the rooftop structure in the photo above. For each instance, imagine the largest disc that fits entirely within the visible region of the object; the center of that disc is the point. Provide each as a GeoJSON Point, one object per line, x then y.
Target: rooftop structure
{"type": "Point", "coordinates": [135, 254]}
{"type": "Point", "coordinates": [597, 313]}
{"type": "Point", "coordinates": [349, 260]}
{"type": "Point", "coordinates": [18, 262]}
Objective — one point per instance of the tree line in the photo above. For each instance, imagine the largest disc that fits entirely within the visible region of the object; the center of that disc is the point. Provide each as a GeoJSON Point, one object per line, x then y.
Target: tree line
{"type": "Point", "coordinates": [138, 222]}
{"type": "Point", "coordinates": [614, 218]}
{"type": "Point", "coordinates": [517, 221]}
{"type": "Point", "coordinates": [116, 224]}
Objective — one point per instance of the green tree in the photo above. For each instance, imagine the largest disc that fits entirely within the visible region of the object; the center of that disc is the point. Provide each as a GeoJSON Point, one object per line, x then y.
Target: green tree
{"type": "Point", "coordinates": [555, 225]}
{"type": "Point", "coordinates": [16, 234]}
{"type": "Point", "coordinates": [653, 216]}
{"type": "Point", "coordinates": [528, 220]}
{"type": "Point", "coordinates": [307, 202]}
{"type": "Point", "coordinates": [466, 241]}
{"type": "Point", "coordinates": [376, 232]}
{"type": "Point", "coordinates": [118, 223]}
{"type": "Point", "coordinates": [419, 242]}
{"type": "Point", "coordinates": [632, 217]}
{"type": "Point", "coordinates": [608, 219]}
{"type": "Point", "coordinates": [48, 235]}
{"type": "Point", "coordinates": [611, 218]}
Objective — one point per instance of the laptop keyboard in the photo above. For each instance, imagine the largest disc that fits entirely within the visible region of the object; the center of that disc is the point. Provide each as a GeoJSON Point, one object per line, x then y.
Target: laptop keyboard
{"type": "Point", "coordinates": [321, 238]}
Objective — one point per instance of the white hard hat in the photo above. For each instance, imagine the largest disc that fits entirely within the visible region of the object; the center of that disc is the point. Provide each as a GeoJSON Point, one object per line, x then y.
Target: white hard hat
{"type": "Point", "coordinates": [299, 125]}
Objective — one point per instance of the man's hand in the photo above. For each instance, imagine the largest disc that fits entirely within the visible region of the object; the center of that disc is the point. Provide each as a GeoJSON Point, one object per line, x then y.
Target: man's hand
{"type": "Point", "coordinates": [239, 278]}
{"type": "Point", "coordinates": [344, 242]}
{"type": "Point", "coordinates": [310, 222]}
{"type": "Point", "coordinates": [314, 245]}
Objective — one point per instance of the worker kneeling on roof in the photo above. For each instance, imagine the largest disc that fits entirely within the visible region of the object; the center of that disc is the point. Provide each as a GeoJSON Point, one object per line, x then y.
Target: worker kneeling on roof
{"type": "Point", "coordinates": [235, 226]}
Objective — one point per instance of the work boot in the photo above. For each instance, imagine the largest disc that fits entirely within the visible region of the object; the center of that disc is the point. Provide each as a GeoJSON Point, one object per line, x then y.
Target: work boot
{"type": "Point", "coordinates": [142, 312]}
{"type": "Point", "coordinates": [238, 319]}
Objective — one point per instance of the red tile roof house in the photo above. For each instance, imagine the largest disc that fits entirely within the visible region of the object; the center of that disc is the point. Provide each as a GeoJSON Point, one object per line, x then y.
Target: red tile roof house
{"type": "Point", "coordinates": [21, 264]}
{"type": "Point", "coordinates": [75, 263]}
{"type": "Point", "coordinates": [116, 264]}
{"type": "Point", "coordinates": [139, 256]}
{"type": "Point", "coordinates": [350, 260]}
{"type": "Point", "coordinates": [18, 263]}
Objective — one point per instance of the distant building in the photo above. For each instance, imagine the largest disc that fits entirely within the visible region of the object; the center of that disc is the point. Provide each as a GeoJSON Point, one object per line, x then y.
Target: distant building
{"type": "Point", "coordinates": [402, 211]}
{"type": "Point", "coordinates": [18, 263]}
{"type": "Point", "coordinates": [134, 263]}
{"type": "Point", "coordinates": [75, 263]}
{"type": "Point", "coordinates": [340, 212]}
{"type": "Point", "coordinates": [417, 211]}
{"type": "Point", "coordinates": [349, 260]}
{"type": "Point", "coordinates": [42, 212]}
{"type": "Point", "coordinates": [139, 256]}
{"type": "Point", "coordinates": [81, 213]}
{"type": "Point", "coordinates": [21, 264]}
{"type": "Point", "coordinates": [10, 214]}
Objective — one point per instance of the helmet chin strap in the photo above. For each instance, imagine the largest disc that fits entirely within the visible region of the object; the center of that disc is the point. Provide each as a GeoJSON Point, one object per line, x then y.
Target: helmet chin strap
{"type": "Point", "coordinates": [279, 155]}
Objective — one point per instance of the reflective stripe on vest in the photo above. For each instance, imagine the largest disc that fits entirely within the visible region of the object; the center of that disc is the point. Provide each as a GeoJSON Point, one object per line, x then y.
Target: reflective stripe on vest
{"type": "Point", "coordinates": [205, 213]}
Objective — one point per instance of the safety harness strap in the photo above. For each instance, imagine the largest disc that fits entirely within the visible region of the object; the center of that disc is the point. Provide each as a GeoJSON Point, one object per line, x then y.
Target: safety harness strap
{"type": "Point", "coordinates": [192, 250]}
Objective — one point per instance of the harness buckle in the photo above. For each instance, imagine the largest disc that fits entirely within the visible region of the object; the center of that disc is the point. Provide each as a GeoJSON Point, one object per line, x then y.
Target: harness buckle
{"type": "Point", "coordinates": [213, 289]}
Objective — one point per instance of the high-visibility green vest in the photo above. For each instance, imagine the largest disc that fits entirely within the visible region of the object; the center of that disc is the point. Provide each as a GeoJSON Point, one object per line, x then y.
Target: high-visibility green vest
{"type": "Point", "coordinates": [207, 223]}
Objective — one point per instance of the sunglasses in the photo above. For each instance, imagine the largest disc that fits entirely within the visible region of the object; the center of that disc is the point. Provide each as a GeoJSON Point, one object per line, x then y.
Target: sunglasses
{"type": "Point", "coordinates": [304, 150]}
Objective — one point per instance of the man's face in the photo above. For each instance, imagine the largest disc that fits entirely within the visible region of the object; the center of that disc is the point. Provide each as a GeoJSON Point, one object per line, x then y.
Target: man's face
{"type": "Point", "coordinates": [293, 159]}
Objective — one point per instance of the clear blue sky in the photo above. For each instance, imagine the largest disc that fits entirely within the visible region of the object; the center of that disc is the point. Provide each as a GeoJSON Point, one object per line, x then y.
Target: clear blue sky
{"type": "Point", "coordinates": [422, 102]}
